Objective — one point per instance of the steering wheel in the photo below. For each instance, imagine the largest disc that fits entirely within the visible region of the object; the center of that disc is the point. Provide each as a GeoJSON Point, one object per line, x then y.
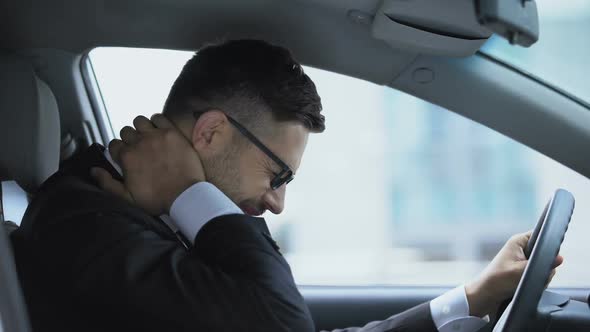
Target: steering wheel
{"type": "Point", "coordinates": [541, 251]}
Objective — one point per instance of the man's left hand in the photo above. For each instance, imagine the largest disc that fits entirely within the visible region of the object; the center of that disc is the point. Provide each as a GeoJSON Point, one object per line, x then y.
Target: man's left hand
{"type": "Point", "coordinates": [500, 278]}
{"type": "Point", "coordinates": [158, 164]}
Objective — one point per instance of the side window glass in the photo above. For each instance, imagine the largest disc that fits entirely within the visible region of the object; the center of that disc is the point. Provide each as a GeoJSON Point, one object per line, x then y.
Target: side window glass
{"type": "Point", "coordinates": [396, 191]}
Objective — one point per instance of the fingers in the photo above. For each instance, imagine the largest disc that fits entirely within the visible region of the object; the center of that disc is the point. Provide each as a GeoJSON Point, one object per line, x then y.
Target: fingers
{"type": "Point", "coordinates": [142, 124]}
{"type": "Point", "coordinates": [161, 121]}
{"type": "Point", "coordinates": [521, 239]}
{"type": "Point", "coordinates": [129, 135]}
{"type": "Point", "coordinates": [558, 261]}
{"type": "Point", "coordinates": [107, 183]}
{"type": "Point", "coordinates": [116, 147]}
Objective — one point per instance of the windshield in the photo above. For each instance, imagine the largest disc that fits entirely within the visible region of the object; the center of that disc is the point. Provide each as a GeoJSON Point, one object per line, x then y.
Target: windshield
{"type": "Point", "coordinates": [561, 57]}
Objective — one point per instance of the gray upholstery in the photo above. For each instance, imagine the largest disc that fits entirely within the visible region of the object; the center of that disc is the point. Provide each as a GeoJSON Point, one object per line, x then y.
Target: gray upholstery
{"type": "Point", "coordinates": [13, 314]}
{"type": "Point", "coordinates": [29, 153]}
{"type": "Point", "coordinates": [29, 125]}
{"type": "Point", "coordinates": [9, 226]}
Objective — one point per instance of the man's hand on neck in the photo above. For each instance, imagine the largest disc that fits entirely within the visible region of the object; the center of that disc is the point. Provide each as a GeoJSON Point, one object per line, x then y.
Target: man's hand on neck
{"type": "Point", "coordinates": [158, 164]}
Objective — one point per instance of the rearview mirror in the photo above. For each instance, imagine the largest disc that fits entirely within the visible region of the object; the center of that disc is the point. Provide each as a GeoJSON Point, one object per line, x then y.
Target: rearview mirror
{"type": "Point", "coordinates": [515, 20]}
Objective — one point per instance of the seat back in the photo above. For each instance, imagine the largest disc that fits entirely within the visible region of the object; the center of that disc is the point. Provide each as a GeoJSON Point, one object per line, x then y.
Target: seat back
{"type": "Point", "coordinates": [12, 305]}
{"type": "Point", "coordinates": [13, 313]}
{"type": "Point", "coordinates": [29, 154]}
{"type": "Point", "coordinates": [29, 125]}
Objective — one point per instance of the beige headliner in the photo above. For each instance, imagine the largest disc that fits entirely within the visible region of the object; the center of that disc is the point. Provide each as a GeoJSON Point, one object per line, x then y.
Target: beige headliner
{"type": "Point", "coordinates": [321, 35]}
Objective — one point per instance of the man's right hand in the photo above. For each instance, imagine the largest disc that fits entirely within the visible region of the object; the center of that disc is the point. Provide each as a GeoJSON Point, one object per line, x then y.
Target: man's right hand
{"type": "Point", "coordinates": [158, 164]}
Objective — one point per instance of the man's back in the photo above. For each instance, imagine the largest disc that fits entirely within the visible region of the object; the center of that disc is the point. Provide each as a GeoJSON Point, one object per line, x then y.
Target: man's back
{"type": "Point", "coordinates": [91, 261]}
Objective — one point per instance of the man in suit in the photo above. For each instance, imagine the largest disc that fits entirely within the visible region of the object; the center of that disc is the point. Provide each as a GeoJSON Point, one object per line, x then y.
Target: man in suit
{"type": "Point", "coordinates": [159, 232]}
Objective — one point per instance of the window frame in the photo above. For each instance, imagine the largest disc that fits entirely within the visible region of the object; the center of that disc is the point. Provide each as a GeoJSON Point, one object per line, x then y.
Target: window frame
{"type": "Point", "coordinates": [106, 126]}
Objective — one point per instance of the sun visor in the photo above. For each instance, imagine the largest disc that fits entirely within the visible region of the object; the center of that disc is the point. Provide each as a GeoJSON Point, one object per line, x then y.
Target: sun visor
{"type": "Point", "coordinates": [449, 28]}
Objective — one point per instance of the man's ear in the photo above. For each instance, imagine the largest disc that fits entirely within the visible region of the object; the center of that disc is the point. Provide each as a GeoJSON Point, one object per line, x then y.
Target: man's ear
{"type": "Point", "coordinates": [211, 131]}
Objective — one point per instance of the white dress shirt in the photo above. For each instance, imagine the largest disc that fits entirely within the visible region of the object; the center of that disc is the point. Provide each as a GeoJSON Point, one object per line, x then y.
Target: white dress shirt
{"type": "Point", "coordinates": [202, 202]}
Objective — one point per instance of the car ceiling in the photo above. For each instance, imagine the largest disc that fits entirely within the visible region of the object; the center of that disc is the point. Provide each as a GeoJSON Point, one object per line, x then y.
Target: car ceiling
{"type": "Point", "coordinates": [318, 32]}
{"type": "Point", "coordinates": [321, 34]}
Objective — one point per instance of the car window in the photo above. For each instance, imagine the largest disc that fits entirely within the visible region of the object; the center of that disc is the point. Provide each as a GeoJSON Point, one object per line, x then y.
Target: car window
{"type": "Point", "coordinates": [396, 191]}
{"type": "Point", "coordinates": [562, 54]}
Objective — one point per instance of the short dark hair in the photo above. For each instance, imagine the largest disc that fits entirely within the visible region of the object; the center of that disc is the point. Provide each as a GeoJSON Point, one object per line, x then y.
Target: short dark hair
{"type": "Point", "coordinates": [248, 79]}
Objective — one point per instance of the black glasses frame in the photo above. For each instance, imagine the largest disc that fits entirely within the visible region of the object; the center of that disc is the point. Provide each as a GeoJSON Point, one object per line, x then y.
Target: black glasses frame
{"type": "Point", "coordinates": [285, 175]}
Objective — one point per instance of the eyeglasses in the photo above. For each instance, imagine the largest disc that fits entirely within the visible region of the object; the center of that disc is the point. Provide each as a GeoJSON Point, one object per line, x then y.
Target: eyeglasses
{"type": "Point", "coordinates": [285, 175]}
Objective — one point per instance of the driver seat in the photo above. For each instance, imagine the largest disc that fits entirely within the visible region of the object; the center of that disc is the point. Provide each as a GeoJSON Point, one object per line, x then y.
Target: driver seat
{"type": "Point", "coordinates": [29, 154]}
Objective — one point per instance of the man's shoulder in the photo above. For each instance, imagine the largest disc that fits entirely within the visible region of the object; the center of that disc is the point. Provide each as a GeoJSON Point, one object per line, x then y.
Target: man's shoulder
{"type": "Point", "coordinates": [71, 190]}
{"type": "Point", "coordinates": [71, 207]}
{"type": "Point", "coordinates": [65, 197]}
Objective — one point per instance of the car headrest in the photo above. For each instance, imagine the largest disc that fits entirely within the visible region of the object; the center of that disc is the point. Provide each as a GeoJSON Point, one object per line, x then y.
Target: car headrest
{"type": "Point", "coordinates": [29, 125]}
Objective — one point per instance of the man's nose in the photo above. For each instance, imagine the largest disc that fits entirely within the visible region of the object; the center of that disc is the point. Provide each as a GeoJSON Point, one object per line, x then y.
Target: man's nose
{"type": "Point", "coordinates": [274, 200]}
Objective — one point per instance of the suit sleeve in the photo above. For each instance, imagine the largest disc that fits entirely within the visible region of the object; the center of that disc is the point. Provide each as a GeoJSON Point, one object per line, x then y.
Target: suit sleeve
{"type": "Point", "coordinates": [416, 319]}
{"type": "Point", "coordinates": [232, 280]}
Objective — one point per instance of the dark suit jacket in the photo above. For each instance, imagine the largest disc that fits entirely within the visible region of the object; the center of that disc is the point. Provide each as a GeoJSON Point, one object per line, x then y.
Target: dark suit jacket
{"type": "Point", "coordinates": [90, 261]}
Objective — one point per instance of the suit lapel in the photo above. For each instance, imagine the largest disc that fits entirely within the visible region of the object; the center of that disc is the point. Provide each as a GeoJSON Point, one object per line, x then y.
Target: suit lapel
{"type": "Point", "coordinates": [260, 224]}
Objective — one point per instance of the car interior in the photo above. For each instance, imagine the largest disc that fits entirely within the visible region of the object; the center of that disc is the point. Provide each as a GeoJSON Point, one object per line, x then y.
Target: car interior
{"type": "Point", "coordinates": [51, 106]}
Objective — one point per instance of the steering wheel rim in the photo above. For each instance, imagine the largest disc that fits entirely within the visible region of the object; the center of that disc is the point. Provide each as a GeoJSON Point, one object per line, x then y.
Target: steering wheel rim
{"type": "Point", "coordinates": [553, 226]}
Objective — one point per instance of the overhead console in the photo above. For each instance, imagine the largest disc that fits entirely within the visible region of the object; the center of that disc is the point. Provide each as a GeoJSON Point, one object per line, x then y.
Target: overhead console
{"type": "Point", "coordinates": [454, 28]}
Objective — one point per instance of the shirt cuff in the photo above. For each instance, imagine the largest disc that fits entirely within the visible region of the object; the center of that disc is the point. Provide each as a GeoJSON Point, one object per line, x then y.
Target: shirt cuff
{"type": "Point", "coordinates": [197, 205]}
{"type": "Point", "coordinates": [450, 313]}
